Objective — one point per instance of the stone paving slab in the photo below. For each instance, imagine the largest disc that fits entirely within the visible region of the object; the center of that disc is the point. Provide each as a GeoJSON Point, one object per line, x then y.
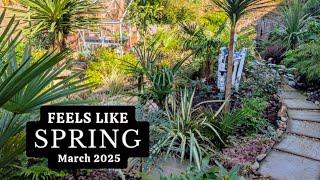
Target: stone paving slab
{"type": "Point", "coordinates": [304, 115]}
{"type": "Point", "coordinates": [285, 166]}
{"type": "Point", "coordinates": [300, 104]}
{"type": "Point", "coordinates": [305, 128]}
{"type": "Point", "coordinates": [292, 95]}
{"type": "Point", "coordinates": [287, 88]}
{"type": "Point", "coordinates": [303, 146]}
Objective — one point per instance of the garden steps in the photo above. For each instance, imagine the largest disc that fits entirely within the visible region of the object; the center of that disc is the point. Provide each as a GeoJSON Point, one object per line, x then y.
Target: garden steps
{"type": "Point", "coordinates": [300, 104]}
{"type": "Point", "coordinates": [304, 115]}
{"type": "Point", "coordinates": [304, 128]}
{"type": "Point", "coordinates": [285, 166]}
{"type": "Point", "coordinates": [299, 145]}
{"type": "Point", "coordinates": [291, 95]}
{"type": "Point", "coordinates": [297, 155]}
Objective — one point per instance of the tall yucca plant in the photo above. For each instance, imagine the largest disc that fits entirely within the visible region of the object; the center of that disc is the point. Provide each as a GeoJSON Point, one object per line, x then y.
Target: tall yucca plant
{"type": "Point", "coordinates": [295, 20]}
{"type": "Point", "coordinates": [235, 10]}
{"type": "Point", "coordinates": [24, 87]}
{"type": "Point", "coordinates": [58, 17]}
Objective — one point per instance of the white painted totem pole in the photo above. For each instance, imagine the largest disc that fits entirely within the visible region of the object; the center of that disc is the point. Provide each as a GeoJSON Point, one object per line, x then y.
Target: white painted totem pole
{"type": "Point", "coordinates": [238, 65]}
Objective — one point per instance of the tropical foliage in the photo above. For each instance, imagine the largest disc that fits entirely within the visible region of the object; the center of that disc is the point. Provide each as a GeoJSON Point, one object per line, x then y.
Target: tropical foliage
{"type": "Point", "coordinates": [235, 10]}
{"type": "Point", "coordinates": [57, 18]}
{"type": "Point", "coordinates": [205, 40]}
{"type": "Point", "coordinates": [24, 87]}
{"type": "Point", "coordinates": [183, 134]}
{"type": "Point", "coordinates": [306, 60]}
{"type": "Point", "coordinates": [217, 172]}
{"type": "Point", "coordinates": [166, 66]}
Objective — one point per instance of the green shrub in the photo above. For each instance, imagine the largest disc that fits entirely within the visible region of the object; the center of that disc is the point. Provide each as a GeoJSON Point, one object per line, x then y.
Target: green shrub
{"type": "Point", "coordinates": [249, 117]}
{"type": "Point", "coordinates": [207, 173]}
{"type": "Point", "coordinates": [38, 172]}
{"type": "Point", "coordinates": [225, 127]}
{"type": "Point", "coordinates": [107, 69]}
{"type": "Point", "coordinates": [261, 81]}
{"type": "Point", "coordinates": [150, 69]}
{"type": "Point", "coordinates": [306, 59]}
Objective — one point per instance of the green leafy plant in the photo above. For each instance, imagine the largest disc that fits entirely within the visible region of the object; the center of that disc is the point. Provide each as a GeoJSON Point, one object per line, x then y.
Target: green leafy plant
{"type": "Point", "coordinates": [249, 117]}
{"type": "Point", "coordinates": [144, 13]}
{"type": "Point", "coordinates": [207, 172]}
{"type": "Point", "coordinates": [149, 67]}
{"type": "Point", "coordinates": [148, 54]}
{"type": "Point", "coordinates": [182, 134]}
{"type": "Point", "coordinates": [162, 80]}
{"type": "Point", "coordinates": [204, 40]}
{"type": "Point", "coordinates": [306, 60]}
{"type": "Point", "coordinates": [24, 87]}
{"type": "Point", "coordinates": [57, 18]}
{"type": "Point", "coordinates": [235, 10]}
{"type": "Point", "coordinates": [291, 31]}
{"type": "Point", "coordinates": [38, 171]}
{"type": "Point", "coordinates": [107, 69]}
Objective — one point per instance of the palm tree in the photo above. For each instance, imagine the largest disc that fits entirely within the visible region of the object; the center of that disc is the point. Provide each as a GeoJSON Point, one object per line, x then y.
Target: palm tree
{"type": "Point", "coordinates": [25, 86]}
{"type": "Point", "coordinates": [203, 40]}
{"type": "Point", "coordinates": [235, 10]}
{"type": "Point", "coordinates": [58, 17]}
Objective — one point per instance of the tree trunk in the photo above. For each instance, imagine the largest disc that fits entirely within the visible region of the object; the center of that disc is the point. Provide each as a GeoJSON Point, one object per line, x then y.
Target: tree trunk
{"type": "Point", "coordinates": [206, 69]}
{"type": "Point", "coordinates": [62, 45]}
{"type": "Point", "coordinates": [140, 82]}
{"type": "Point", "coordinates": [230, 68]}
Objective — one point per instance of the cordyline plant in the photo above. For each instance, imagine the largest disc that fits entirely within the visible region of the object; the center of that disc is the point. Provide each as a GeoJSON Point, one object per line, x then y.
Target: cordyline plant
{"type": "Point", "coordinates": [235, 10]}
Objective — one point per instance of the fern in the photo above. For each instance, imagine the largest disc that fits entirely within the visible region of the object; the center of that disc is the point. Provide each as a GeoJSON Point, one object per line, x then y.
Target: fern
{"type": "Point", "coordinates": [39, 171]}
{"type": "Point", "coordinates": [306, 59]}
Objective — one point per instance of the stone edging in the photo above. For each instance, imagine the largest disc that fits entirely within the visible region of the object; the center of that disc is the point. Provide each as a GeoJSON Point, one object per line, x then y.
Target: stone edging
{"type": "Point", "coordinates": [282, 126]}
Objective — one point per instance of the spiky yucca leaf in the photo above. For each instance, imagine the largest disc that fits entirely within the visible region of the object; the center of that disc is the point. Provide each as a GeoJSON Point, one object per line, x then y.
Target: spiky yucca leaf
{"type": "Point", "coordinates": [183, 133]}
{"type": "Point", "coordinates": [59, 17]}
{"type": "Point", "coordinates": [24, 87]}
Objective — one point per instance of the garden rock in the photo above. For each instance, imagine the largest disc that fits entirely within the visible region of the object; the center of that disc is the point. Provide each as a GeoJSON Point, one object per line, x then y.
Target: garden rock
{"type": "Point", "coordinates": [255, 166]}
{"type": "Point", "coordinates": [261, 157]}
{"type": "Point", "coordinates": [292, 83]}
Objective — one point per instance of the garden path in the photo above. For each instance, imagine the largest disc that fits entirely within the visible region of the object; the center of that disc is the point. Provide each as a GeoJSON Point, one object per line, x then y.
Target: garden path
{"type": "Point", "coordinates": [297, 155]}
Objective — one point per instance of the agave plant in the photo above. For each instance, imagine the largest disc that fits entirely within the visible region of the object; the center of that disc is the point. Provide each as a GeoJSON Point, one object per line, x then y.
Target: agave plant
{"type": "Point", "coordinates": [162, 81]}
{"type": "Point", "coordinates": [24, 87]}
{"type": "Point", "coordinates": [148, 67]}
{"type": "Point", "coordinates": [57, 17]}
{"type": "Point", "coordinates": [183, 133]}
{"type": "Point", "coordinates": [235, 10]}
